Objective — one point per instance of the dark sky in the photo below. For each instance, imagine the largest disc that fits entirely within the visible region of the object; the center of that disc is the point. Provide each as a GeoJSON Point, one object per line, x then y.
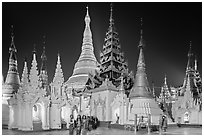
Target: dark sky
{"type": "Point", "coordinates": [167, 27]}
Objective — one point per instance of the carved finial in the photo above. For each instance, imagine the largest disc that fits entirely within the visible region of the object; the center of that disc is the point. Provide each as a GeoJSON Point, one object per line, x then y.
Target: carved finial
{"type": "Point", "coordinates": [165, 80]}
{"type": "Point", "coordinates": [87, 18]}
{"type": "Point", "coordinates": [12, 32]}
{"type": "Point", "coordinates": [141, 28]}
{"type": "Point", "coordinates": [190, 46]}
{"type": "Point", "coordinates": [87, 10]}
{"type": "Point", "coordinates": [34, 48]}
{"type": "Point", "coordinates": [111, 13]}
{"type": "Point", "coordinates": [44, 39]}
{"type": "Point", "coordinates": [12, 47]}
{"type": "Point", "coordinates": [141, 43]}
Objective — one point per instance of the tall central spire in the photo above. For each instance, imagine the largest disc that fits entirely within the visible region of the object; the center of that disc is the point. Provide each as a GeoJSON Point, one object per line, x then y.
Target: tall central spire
{"type": "Point", "coordinates": [87, 62]}
{"type": "Point", "coordinates": [141, 85]}
{"type": "Point", "coordinates": [141, 61]}
{"type": "Point", "coordinates": [87, 32]}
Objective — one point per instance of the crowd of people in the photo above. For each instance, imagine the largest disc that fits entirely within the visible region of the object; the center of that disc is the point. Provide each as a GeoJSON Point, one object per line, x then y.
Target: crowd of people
{"type": "Point", "coordinates": [82, 124]}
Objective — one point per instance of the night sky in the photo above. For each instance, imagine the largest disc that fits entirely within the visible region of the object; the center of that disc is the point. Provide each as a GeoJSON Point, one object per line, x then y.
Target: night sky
{"type": "Point", "coordinates": [168, 28]}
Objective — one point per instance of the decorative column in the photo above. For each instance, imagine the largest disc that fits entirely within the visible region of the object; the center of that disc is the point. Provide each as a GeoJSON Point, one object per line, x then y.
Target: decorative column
{"type": "Point", "coordinates": [55, 117]}
{"type": "Point", "coordinates": [11, 117]}
{"type": "Point", "coordinates": [45, 117]}
{"type": "Point", "coordinates": [19, 114]}
{"type": "Point", "coordinates": [23, 117]}
{"type": "Point", "coordinates": [135, 123]}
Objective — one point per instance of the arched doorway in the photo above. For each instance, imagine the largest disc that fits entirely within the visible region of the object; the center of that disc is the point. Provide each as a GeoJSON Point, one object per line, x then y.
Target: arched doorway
{"type": "Point", "coordinates": [37, 116]}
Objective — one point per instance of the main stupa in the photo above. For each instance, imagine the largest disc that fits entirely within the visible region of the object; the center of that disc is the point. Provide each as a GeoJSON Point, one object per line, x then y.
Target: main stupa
{"type": "Point", "coordinates": [87, 63]}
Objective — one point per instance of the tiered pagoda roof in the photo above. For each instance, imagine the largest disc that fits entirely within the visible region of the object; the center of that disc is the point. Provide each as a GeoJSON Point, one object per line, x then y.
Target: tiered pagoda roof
{"type": "Point", "coordinates": [112, 59]}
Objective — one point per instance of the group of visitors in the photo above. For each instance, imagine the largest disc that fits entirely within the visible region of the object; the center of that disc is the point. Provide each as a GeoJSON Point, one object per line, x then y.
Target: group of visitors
{"type": "Point", "coordinates": [82, 125]}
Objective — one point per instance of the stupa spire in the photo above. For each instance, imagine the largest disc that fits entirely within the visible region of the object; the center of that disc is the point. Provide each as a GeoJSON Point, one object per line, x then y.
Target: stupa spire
{"type": "Point", "coordinates": [190, 61]}
{"type": "Point", "coordinates": [87, 39]}
{"type": "Point", "coordinates": [24, 78]}
{"type": "Point", "coordinates": [141, 61]}
{"type": "Point", "coordinates": [141, 85]}
{"type": "Point", "coordinates": [43, 77]}
{"type": "Point", "coordinates": [58, 78]}
{"type": "Point", "coordinates": [34, 71]}
{"type": "Point", "coordinates": [111, 15]}
{"type": "Point", "coordinates": [44, 60]}
{"type": "Point", "coordinates": [12, 75]}
{"type": "Point", "coordinates": [87, 62]}
{"type": "Point", "coordinates": [141, 43]}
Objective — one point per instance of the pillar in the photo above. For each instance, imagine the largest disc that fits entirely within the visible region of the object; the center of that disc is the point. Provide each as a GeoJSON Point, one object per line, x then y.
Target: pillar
{"type": "Point", "coordinates": [11, 117]}
{"type": "Point", "coordinates": [149, 124]}
{"type": "Point", "coordinates": [45, 125]}
{"type": "Point", "coordinates": [135, 123]}
{"type": "Point", "coordinates": [19, 115]}
{"type": "Point", "coordinates": [28, 117]}
{"type": "Point", "coordinates": [5, 108]}
{"type": "Point", "coordinates": [55, 117]}
{"type": "Point", "coordinates": [23, 126]}
{"type": "Point", "coordinates": [15, 112]}
{"type": "Point", "coordinates": [48, 116]}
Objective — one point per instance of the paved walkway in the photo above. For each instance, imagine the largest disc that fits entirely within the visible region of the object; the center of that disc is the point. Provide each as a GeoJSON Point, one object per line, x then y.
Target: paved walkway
{"type": "Point", "coordinates": [170, 131]}
{"type": "Point", "coordinates": [107, 131]}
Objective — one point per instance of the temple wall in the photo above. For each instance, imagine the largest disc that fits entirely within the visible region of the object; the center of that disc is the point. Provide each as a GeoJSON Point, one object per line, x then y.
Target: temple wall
{"type": "Point", "coordinates": [106, 97]}
{"type": "Point", "coordinates": [144, 107]}
{"type": "Point", "coordinates": [6, 90]}
{"type": "Point", "coordinates": [55, 117]}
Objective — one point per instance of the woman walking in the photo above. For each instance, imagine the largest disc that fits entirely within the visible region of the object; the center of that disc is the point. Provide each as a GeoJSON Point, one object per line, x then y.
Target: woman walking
{"type": "Point", "coordinates": [78, 125]}
{"type": "Point", "coordinates": [164, 123]}
{"type": "Point", "coordinates": [84, 125]}
{"type": "Point", "coordinates": [71, 125]}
